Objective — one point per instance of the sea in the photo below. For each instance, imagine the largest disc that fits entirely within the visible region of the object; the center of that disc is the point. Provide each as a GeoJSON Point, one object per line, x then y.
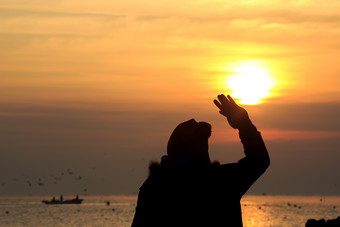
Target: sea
{"type": "Point", "coordinates": [264, 210]}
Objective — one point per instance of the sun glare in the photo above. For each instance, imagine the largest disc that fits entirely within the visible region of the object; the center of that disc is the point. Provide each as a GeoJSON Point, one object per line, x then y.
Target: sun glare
{"type": "Point", "coordinates": [250, 83]}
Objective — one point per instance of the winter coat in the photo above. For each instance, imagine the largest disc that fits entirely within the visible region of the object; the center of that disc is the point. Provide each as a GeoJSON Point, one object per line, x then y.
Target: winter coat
{"type": "Point", "coordinates": [182, 191]}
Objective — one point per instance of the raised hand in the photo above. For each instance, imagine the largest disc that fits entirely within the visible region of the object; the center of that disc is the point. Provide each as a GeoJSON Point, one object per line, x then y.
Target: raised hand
{"type": "Point", "coordinates": [236, 115]}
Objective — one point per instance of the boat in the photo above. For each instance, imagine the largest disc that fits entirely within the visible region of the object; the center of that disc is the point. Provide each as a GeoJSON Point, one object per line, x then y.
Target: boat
{"type": "Point", "coordinates": [61, 201]}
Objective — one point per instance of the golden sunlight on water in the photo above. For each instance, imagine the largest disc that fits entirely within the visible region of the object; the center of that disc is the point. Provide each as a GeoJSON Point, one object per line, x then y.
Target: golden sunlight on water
{"type": "Point", "coordinates": [250, 82]}
{"type": "Point", "coordinates": [257, 211]}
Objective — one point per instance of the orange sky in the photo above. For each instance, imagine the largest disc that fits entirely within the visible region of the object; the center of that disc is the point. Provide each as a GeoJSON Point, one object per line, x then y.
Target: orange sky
{"type": "Point", "coordinates": [102, 51]}
{"type": "Point", "coordinates": [100, 71]}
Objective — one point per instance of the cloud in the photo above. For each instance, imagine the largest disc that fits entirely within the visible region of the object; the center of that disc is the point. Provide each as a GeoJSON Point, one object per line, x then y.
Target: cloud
{"type": "Point", "coordinates": [298, 116]}
{"type": "Point", "coordinates": [270, 16]}
{"type": "Point", "coordinates": [151, 17]}
{"type": "Point", "coordinates": [23, 13]}
{"type": "Point", "coordinates": [41, 133]}
{"type": "Point", "coordinates": [89, 125]}
{"type": "Point", "coordinates": [284, 135]}
{"type": "Point", "coordinates": [45, 35]}
{"type": "Point", "coordinates": [228, 136]}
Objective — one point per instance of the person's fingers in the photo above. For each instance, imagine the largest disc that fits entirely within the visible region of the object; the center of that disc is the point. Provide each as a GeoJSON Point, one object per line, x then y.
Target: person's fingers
{"type": "Point", "coordinates": [218, 104]}
{"type": "Point", "coordinates": [223, 99]}
{"type": "Point", "coordinates": [231, 100]}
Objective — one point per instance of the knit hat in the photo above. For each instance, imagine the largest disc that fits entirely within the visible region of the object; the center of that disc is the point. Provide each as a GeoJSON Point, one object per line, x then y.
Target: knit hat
{"type": "Point", "coordinates": [190, 138]}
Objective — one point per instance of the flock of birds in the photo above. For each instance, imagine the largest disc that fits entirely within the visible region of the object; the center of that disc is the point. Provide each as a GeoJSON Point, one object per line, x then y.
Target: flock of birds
{"type": "Point", "coordinates": [54, 179]}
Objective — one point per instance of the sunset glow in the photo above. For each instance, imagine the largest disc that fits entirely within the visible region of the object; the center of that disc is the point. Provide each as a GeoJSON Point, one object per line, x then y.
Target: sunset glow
{"type": "Point", "coordinates": [102, 84]}
{"type": "Point", "coordinates": [250, 83]}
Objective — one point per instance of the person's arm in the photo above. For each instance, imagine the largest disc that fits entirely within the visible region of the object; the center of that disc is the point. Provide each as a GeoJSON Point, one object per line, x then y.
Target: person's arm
{"type": "Point", "coordinates": [257, 159]}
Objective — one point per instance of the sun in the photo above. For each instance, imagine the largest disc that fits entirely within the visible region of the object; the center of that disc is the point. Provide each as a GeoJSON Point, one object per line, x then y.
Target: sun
{"type": "Point", "coordinates": [250, 83]}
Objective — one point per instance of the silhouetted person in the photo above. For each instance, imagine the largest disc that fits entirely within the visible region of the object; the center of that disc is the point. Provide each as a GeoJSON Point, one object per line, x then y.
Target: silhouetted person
{"type": "Point", "coordinates": [187, 189]}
